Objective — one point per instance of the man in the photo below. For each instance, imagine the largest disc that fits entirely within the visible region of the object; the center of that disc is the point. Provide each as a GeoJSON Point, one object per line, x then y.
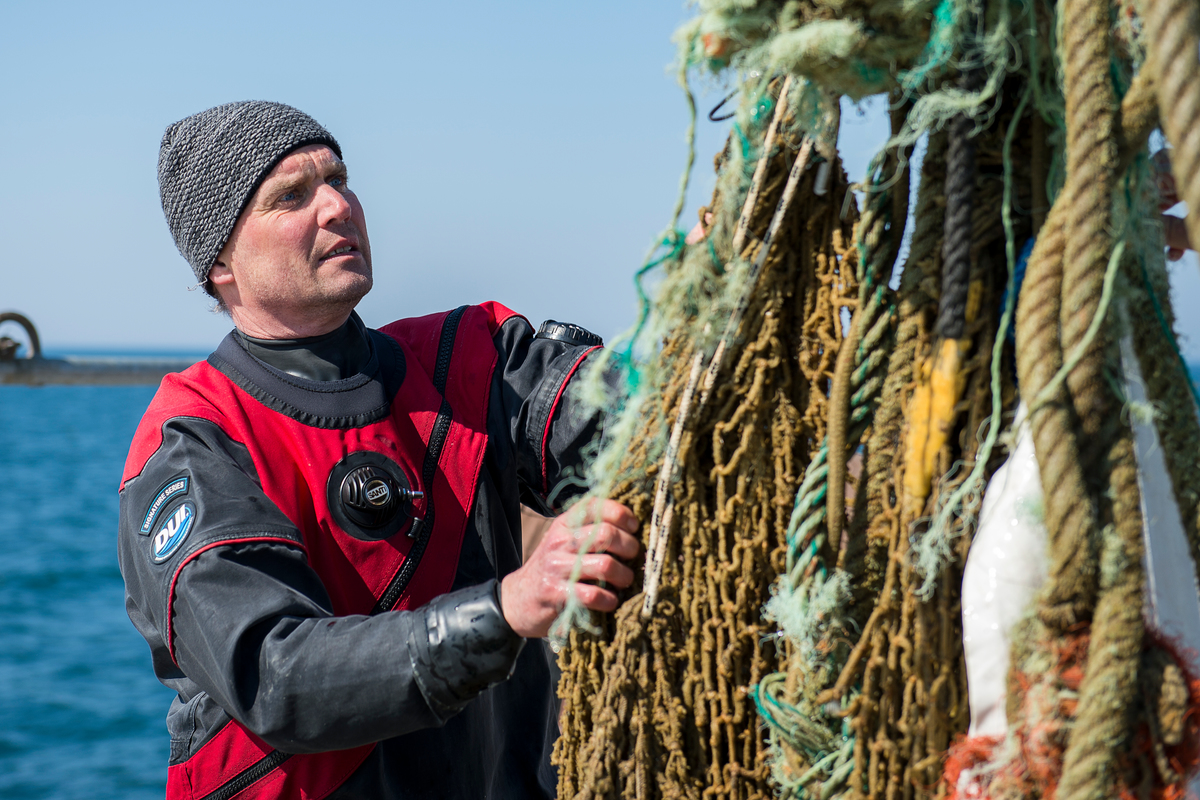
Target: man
{"type": "Point", "coordinates": [320, 527]}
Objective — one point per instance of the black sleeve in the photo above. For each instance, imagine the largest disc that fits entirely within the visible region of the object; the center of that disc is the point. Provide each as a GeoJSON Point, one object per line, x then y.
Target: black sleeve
{"type": "Point", "coordinates": [548, 424]}
{"type": "Point", "coordinates": [236, 606]}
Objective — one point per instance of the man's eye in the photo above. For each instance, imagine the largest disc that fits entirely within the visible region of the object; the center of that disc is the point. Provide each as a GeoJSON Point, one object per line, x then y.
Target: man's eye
{"type": "Point", "coordinates": [288, 197]}
{"type": "Point", "coordinates": [338, 183]}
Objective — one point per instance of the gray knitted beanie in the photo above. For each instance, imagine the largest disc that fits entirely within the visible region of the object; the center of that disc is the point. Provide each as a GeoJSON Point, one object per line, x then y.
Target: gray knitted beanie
{"type": "Point", "coordinates": [211, 163]}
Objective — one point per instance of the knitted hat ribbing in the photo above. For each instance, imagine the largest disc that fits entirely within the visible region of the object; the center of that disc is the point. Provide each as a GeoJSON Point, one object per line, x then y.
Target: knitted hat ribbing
{"type": "Point", "coordinates": [211, 163]}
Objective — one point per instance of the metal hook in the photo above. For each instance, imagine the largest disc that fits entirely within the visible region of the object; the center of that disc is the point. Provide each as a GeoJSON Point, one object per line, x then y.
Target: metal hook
{"type": "Point", "coordinates": [717, 107]}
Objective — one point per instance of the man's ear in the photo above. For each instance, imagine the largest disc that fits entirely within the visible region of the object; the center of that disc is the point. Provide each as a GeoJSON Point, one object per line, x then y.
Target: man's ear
{"type": "Point", "coordinates": [222, 286]}
{"type": "Point", "coordinates": [220, 274]}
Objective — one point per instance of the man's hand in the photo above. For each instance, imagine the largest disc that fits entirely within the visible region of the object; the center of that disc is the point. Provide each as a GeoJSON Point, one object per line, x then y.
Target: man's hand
{"type": "Point", "coordinates": [1174, 229]}
{"type": "Point", "coordinates": [533, 596]}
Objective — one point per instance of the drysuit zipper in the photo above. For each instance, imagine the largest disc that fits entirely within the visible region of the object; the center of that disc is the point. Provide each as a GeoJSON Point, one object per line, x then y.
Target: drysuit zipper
{"type": "Point", "coordinates": [437, 440]}
{"type": "Point", "coordinates": [251, 774]}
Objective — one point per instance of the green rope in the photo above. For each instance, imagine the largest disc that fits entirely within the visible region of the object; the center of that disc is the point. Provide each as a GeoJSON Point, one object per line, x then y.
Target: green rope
{"type": "Point", "coordinates": [937, 50]}
{"type": "Point", "coordinates": [807, 594]}
{"type": "Point", "coordinates": [574, 615]}
{"type": "Point", "coordinates": [718, 264]}
{"type": "Point", "coordinates": [799, 731]}
{"type": "Point", "coordinates": [685, 179]}
{"type": "Point", "coordinates": [624, 356]}
{"type": "Point", "coordinates": [672, 237]}
{"type": "Point", "coordinates": [745, 142]}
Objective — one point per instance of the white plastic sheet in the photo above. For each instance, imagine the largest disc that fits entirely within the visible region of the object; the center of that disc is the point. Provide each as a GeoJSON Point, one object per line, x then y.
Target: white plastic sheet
{"type": "Point", "coordinates": [1007, 562]}
{"type": "Point", "coordinates": [1005, 569]}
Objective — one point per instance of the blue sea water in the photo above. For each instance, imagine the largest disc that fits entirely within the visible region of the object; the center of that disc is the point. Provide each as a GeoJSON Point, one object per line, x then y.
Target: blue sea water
{"type": "Point", "coordinates": [81, 714]}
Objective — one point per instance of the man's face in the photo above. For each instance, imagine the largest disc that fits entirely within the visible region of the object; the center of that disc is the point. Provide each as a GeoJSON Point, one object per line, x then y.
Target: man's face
{"type": "Point", "coordinates": [299, 253]}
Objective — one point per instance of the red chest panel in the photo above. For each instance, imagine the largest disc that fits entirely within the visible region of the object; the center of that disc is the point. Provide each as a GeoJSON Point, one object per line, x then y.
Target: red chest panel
{"type": "Point", "coordinates": [294, 461]}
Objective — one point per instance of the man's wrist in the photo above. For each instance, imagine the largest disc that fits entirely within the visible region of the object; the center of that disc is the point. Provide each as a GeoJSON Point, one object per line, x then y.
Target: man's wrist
{"type": "Point", "coordinates": [467, 647]}
{"type": "Point", "coordinates": [499, 598]}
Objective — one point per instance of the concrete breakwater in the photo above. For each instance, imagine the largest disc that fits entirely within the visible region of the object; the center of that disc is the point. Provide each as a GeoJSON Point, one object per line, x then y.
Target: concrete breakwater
{"type": "Point", "coordinates": [95, 371]}
{"type": "Point", "coordinates": [34, 369]}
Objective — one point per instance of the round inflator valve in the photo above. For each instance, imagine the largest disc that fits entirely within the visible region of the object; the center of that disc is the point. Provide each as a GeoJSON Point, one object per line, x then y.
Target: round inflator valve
{"type": "Point", "coordinates": [369, 496]}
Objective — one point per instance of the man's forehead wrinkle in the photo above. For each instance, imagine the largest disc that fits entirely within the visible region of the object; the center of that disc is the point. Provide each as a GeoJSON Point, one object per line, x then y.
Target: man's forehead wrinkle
{"type": "Point", "coordinates": [301, 170]}
{"type": "Point", "coordinates": [286, 179]}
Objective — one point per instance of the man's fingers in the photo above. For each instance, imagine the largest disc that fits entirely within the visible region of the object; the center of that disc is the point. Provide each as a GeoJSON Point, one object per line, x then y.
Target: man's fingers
{"type": "Point", "coordinates": [606, 538]}
{"type": "Point", "coordinates": [1164, 179]}
{"type": "Point", "coordinates": [600, 510]}
{"type": "Point", "coordinates": [595, 598]}
{"type": "Point", "coordinates": [617, 515]}
{"type": "Point", "coordinates": [1168, 194]}
{"type": "Point", "coordinates": [602, 567]}
{"type": "Point", "coordinates": [1175, 233]}
{"type": "Point", "coordinates": [619, 543]}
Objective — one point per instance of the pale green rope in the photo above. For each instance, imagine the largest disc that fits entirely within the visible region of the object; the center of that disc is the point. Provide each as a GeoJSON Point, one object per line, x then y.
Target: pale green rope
{"type": "Point", "coordinates": [573, 614]}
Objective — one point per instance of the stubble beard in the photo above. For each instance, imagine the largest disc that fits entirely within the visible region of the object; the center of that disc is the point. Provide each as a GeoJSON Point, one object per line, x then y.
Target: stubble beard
{"type": "Point", "coordinates": [320, 300]}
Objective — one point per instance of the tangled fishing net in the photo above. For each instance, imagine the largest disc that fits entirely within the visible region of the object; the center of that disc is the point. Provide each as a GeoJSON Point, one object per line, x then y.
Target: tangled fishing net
{"type": "Point", "coordinates": [811, 409]}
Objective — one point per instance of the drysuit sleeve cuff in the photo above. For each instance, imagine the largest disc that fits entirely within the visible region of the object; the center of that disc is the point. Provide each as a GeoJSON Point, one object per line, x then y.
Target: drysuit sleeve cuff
{"type": "Point", "coordinates": [462, 645]}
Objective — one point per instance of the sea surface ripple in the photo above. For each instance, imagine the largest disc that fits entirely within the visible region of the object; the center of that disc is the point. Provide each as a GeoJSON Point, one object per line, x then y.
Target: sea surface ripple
{"type": "Point", "coordinates": [81, 714]}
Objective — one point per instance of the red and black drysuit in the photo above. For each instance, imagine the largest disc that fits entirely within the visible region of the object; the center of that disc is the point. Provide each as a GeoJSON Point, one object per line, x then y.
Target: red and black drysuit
{"type": "Point", "coordinates": [315, 657]}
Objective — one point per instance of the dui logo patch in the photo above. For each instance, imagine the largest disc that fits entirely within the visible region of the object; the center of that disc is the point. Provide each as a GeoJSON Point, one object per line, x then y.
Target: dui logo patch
{"type": "Point", "coordinates": [175, 487]}
{"type": "Point", "coordinates": [173, 532]}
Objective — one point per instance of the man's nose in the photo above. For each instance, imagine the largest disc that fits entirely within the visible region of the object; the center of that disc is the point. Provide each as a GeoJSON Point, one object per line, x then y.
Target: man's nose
{"type": "Point", "coordinates": [332, 205]}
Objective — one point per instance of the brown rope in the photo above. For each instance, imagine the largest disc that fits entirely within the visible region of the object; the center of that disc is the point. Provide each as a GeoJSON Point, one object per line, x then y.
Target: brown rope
{"type": "Point", "coordinates": [901, 686]}
{"type": "Point", "coordinates": [1069, 515]}
{"type": "Point", "coordinates": [1109, 692]}
{"type": "Point", "coordinates": [913, 696]}
{"type": "Point", "coordinates": [1063, 287]}
{"type": "Point", "coordinates": [1139, 116]}
{"type": "Point", "coordinates": [883, 236]}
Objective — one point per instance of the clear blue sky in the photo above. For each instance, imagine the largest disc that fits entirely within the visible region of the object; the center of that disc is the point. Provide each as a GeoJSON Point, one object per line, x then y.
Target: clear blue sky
{"type": "Point", "coordinates": [526, 152]}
